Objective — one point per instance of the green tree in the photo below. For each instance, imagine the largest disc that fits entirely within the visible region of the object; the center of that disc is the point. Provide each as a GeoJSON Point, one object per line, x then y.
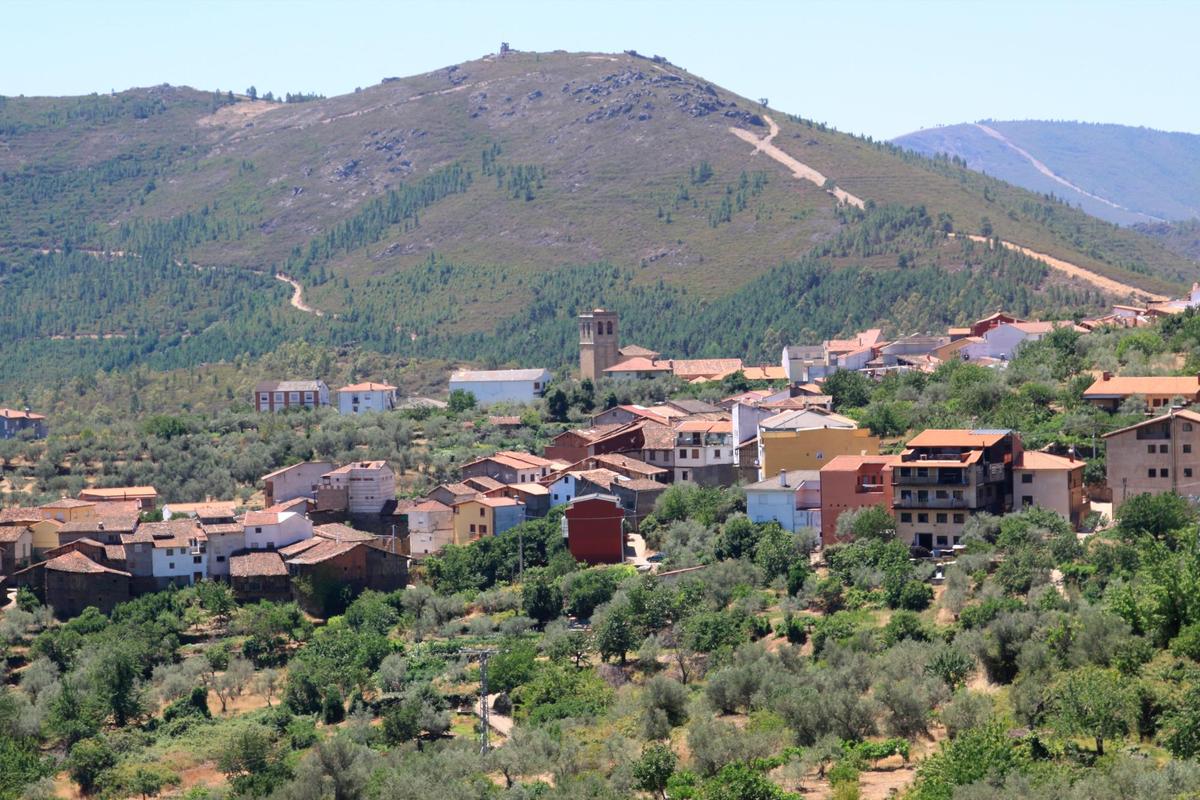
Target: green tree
{"type": "Point", "coordinates": [88, 760]}
{"type": "Point", "coordinates": [460, 401]}
{"type": "Point", "coordinates": [540, 596]}
{"type": "Point", "coordinates": [848, 388]}
{"type": "Point", "coordinates": [557, 404]}
{"type": "Point", "coordinates": [654, 768]}
{"type": "Point", "coordinates": [1092, 701]}
{"type": "Point", "coordinates": [614, 631]}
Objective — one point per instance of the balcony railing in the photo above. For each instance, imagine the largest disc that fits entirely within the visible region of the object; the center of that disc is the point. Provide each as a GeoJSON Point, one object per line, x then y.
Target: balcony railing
{"type": "Point", "coordinates": [931, 502]}
{"type": "Point", "coordinates": [956, 477]}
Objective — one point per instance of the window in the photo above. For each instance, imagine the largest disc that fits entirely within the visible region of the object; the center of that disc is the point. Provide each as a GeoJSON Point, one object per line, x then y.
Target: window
{"type": "Point", "coordinates": [1187, 472]}
{"type": "Point", "coordinates": [716, 453]}
{"type": "Point", "coordinates": [270, 545]}
{"type": "Point", "coordinates": [820, 455]}
{"type": "Point", "coordinates": [220, 559]}
{"type": "Point", "coordinates": [1164, 473]}
{"type": "Point", "coordinates": [941, 518]}
{"type": "Point", "coordinates": [1150, 448]}
{"type": "Point", "coordinates": [258, 530]}
{"type": "Point", "coordinates": [922, 472]}
{"type": "Point", "coordinates": [905, 472]}
{"type": "Point", "coordinates": [958, 520]}
{"type": "Point", "coordinates": [1026, 500]}
{"type": "Point", "coordinates": [1162, 448]}
{"type": "Point", "coordinates": [171, 565]}
{"type": "Point", "coordinates": [695, 454]}
{"type": "Point", "coordinates": [195, 559]}
{"type": "Point", "coordinates": [472, 527]}
{"type": "Point", "coordinates": [279, 398]}
{"type": "Point", "coordinates": [683, 453]}
{"type": "Point", "coordinates": [481, 512]}
{"type": "Point", "coordinates": [650, 455]}
{"type": "Point", "coordinates": [170, 551]}
{"type": "Point", "coordinates": [941, 541]}
{"type": "Point", "coordinates": [683, 476]}
{"type": "Point", "coordinates": [1152, 473]}
{"type": "Point", "coordinates": [293, 397]}
{"type": "Point", "coordinates": [922, 518]}
{"type": "Point", "coordinates": [1027, 477]}
{"type": "Point", "coordinates": [906, 516]}
{"type": "Point", "coordinates": [483, 530]}
{"type": "Point", "coordinates": [1187, 448]}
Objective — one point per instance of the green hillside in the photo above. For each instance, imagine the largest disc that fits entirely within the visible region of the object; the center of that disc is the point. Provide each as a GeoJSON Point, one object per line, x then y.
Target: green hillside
{"type": "Point", "coordinates": [1117, 172]}
{"type": "Point", "coordinates": [468, 213]}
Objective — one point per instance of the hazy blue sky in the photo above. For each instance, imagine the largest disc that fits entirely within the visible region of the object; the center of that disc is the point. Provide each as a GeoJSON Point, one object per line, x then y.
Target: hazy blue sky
{"type": "Point", "coordinates": [882, 68]}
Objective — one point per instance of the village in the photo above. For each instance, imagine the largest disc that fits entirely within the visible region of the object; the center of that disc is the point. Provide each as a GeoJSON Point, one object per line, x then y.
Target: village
{"type": "Point", "coordinates": [799, 463]}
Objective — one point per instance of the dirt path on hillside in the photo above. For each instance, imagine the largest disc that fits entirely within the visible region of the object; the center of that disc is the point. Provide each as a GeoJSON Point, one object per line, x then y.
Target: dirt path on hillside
{"type": "Point", "coordinates": [799, 170]}
{"type": "Point", "coordinates": [1073, 270]}
{"type": "Point", "coordinates": [1049, 173]}
{"type": "Point", "coordinates": [298, 295]}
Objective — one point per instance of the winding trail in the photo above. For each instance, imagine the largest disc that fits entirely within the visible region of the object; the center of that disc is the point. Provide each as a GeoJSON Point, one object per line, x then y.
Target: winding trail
{"type": "Point", "coordinates": [802, 171]}
{"type": "Point", "coordinates": [799, 170]}
{"type": "Point", "coordinates": [298, 295]}
{"type": "Point", "coordinates": [1049, 173]}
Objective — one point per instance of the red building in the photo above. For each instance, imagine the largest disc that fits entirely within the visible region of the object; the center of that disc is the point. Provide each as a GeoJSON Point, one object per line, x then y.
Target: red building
{"type": "Point", "coordinates": [595, 530]}
{"type": "Point", "coordinates": [574, 446]}
{"type": "Point", "coordinates": [851, 482]}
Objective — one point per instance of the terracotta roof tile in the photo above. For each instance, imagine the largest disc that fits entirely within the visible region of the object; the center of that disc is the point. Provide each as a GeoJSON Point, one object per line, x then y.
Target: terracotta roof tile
{"type": "Point", "coordinates": [260, 564]}
{"type": "Point", "coordinates": [323, 551]}
{"type": "Point", "coordinates": [78, 563]}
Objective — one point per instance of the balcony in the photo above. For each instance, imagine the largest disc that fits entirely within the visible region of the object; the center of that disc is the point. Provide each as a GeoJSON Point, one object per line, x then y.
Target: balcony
{"type": "Point", "coordinates": [931, 502]}
{"type": "Point", "coordinates": [934, 477]}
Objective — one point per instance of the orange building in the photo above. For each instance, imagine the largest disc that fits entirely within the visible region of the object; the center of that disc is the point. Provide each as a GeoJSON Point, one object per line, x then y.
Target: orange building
{"type": "Point", "coordinates": [850, 482]}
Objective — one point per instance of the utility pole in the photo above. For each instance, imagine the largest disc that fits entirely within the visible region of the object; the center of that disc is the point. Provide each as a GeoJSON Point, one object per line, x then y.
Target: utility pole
{"type": "Point", "coordinates": [483, 653]}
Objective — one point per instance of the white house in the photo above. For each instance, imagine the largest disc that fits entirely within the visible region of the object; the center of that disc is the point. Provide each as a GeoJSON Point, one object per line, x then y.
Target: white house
{"type": "Point", "coordinates": [704, 452]}
{"type": "Point", "coordinates": [501, 385]}
{"type": "Point", "coordinates": [180, 552]}
{"type": "Point", "coordinates": [793, 499]}
{"type": "Point", "coordinates": [1003, 340]}
{"type": "Point", "coordinates": [430, 527]}
{"type": "Point", "coordinates": [359, 398]}
{"type": "Point", "coordinates": [270, 530]}
{"type": "Point", "coordinates": [563, 490]}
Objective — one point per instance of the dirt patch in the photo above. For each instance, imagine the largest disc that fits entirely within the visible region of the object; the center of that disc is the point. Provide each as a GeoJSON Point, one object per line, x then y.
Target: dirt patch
{"type": "Point", "coordinates": [236, 115]}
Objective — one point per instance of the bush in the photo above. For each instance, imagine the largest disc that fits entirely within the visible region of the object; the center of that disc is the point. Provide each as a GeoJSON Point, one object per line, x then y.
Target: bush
{"type": "Point", "coordinates": [333, 708]}
{"type": "Point", "coordinates": [793, 628]}
{"type": "Point", "coordinates": [915, 596]}
{"type": "Point", "coordinates": [88, 760]}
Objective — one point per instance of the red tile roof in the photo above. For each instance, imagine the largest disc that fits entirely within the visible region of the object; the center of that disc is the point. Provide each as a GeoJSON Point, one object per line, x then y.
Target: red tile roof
{"type": "Point", "coordinates": [12, 413]}
{"type": "Point", "coordinates": [956, 438]}
{"type": "Point", "coordinates": [78, 563]}
{"type": "Point", "coordinates": [9, 516]}
{"type": "Point", "coordinates": [1186, 386]}
{"type": "Point", "coordinates": [1035, 459]}
{"type": "Point", "coordinates": [342, 533]}
{"type": "Point", "coordinates": [256, 565]}
{"type": "Point", "coordinates": [323, 551]}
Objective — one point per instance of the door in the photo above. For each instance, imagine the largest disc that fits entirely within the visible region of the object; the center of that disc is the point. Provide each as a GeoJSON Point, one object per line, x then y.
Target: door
{"type": "Point", "coordinates": [925, 540]}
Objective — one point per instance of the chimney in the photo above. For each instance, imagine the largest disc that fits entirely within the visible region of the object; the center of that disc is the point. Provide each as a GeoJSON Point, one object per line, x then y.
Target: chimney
{"type": "Point", "coordinates": [1106, 376]}
{"type": "Point", "coordinates": [783, 477]}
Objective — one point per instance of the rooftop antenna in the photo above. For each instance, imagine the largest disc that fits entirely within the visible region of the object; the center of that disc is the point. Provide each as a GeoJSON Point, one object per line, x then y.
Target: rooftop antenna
{"type": "Point", "coordinates": [483, 654]}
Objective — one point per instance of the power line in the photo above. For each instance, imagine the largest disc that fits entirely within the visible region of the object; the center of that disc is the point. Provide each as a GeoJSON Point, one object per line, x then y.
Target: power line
{"type": "Point", "coordinates": [483, 654]}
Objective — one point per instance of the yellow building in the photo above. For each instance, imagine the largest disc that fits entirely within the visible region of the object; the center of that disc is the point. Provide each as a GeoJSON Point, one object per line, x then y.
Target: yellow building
{"type": "Point", "coordinates": [69, 510]}
{"type": "Point", "coordinates": [45, 535]}
{"type": "Point", "coordinates": [808, 439]}
{"type": "Point", "coordinates": [485, 516]}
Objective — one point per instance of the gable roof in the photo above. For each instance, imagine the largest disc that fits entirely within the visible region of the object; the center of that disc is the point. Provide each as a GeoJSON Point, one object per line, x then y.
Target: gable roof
{"type": "Point", "coordinates": [119, 493]}
{"type": "Point", "coordinates": [78, 563]}
{"type": "Point", "coordinates": [15, 514]}
{"type": "Point", "coordinates": [956, 437]}
{"type": "Point", "coordinates": [630, 350]}
{"type": "Point", "coordinates": [1168, 385]}
{"type": "Point", "coordinates": [289, 386]}
{"type": "Point", "coordinates": [12, 413]}
{"type": "Point", "coordinates": [323, 550]}
{"type": "Point", "coordinates": [68, 502]}
{"type": "Point", "coordinates": [103, 523]}
{"type": "Point", "coordinates": [342, 533]}
{"type": "Point", "coordinates": [1184, 413]}
{"type": "Point", "coordinates": [1037, 460]}
{"type": "Point", "coordinates": [705, 426]}
{"type": "Point", "coordinates": [12, 533]}
{"type": "Point", "coordinates": [257, 564]}
{"type": "Point", "coordinates": [328, 465]}
{"type": "Point", "coordinates": [640, 364]}
{"type": "Point", "coordinates": [483, 483]}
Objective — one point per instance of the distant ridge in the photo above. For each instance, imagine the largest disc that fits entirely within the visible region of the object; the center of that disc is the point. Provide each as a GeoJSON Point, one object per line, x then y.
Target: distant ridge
{"type": "Point", "coordinates": [1119, 173]}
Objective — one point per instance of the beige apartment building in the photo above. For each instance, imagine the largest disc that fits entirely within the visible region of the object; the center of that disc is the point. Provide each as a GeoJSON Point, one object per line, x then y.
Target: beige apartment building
{"type": "Point", "coordinates": [1051, 482]}
{"type": "Point", "coordinates": [1159, 455]}
{"type": "Point", "coordinates": [944, 476]}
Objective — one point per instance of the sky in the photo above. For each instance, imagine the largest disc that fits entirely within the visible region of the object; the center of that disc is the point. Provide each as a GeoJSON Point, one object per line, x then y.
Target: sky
{"type": "Point", "coordinates": [881, 68]}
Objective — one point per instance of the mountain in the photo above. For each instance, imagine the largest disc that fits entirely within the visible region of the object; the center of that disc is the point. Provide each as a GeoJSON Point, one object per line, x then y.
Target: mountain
{"type": "Point", "coordinates": [470, 212]}
{"type": "Point", "coordinates": [1116, 172]}
{"type": "Point", "coordinates": [1179, 237]}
